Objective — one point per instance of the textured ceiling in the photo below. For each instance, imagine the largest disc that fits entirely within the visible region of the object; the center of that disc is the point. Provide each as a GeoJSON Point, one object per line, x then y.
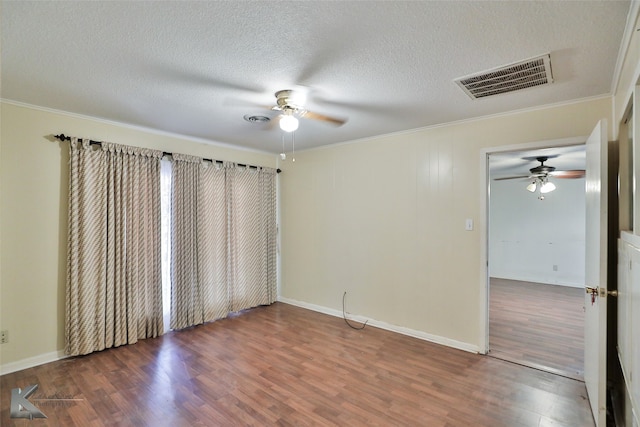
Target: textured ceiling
{"type": "Point", "coordinates": [196, 68]}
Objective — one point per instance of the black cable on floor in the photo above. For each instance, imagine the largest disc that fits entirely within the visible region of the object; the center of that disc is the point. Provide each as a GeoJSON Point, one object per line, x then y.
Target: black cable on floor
{"type": "Point", "coordinates": [344, 314]}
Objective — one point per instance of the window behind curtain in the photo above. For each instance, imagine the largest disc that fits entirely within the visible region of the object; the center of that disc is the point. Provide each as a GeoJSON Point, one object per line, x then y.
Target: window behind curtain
{"type": "Point", "coordinates": [228, 261]}
{"type": "Point", "coordinates": [165, 201]}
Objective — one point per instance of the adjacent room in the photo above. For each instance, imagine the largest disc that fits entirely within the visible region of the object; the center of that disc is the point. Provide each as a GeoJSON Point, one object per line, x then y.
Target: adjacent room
{"type": "Point", "coordinates": [304, 213]}
{"type": "Point", "coordinates": [537, 258]}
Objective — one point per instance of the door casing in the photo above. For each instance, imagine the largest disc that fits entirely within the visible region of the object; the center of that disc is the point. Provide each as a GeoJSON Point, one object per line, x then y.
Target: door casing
{"type": "Point", "coordinates": [485, 194]}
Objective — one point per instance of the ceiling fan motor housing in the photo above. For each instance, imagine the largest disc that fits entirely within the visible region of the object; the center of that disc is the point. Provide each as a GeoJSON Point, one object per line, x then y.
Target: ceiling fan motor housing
{"type": "Point", "coordinates": [283, 98]}
{"type": "Point", "coordinates": [542, 169]}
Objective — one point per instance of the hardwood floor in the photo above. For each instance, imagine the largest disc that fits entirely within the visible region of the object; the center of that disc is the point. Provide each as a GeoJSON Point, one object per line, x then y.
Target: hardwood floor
{"type": "Point", "coordinates": [283, 365]}
{"type": "Point", "coordinates": [538, 325]}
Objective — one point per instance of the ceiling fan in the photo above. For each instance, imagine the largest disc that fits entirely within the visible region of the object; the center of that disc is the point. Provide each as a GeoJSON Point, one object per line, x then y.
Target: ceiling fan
{"type": "Point", "coordinates": [539, 176]}
{"type": "Point", "coordinates": [290, 104]}
{"type": "Point", "coordinates": [543, 171]}
{"type": "Point", "coordinates": [287, 102]}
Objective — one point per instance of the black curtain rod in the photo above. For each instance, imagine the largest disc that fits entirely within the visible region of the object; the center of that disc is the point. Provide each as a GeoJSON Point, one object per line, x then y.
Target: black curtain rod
{"type": "Point", "coordinates": [63, 137]}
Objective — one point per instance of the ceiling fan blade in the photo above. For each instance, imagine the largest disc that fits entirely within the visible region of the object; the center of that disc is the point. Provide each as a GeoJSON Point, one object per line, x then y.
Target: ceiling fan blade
{"type": "Point", "coordinates": [512, 177]}
{"type": "Point", "coordinates": [323, 118]}
{"type": "Point", "coordinates": [568, 174]}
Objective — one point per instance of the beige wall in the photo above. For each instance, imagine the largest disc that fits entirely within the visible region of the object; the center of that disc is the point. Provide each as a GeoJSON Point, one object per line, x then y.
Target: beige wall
{"type": "Point", "coordinates": [383, 219]}
{"type": "Point", "coordinates": [33, 203]}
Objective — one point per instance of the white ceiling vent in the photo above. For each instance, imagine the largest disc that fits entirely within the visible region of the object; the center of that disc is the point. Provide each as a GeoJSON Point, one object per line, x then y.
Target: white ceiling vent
{"type": "Point", "coordinates": [520, 75]}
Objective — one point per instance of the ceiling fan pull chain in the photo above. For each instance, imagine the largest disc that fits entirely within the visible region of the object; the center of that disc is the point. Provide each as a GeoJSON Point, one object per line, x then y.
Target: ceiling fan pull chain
{"type": "Point", "coordinates": [293, 143]}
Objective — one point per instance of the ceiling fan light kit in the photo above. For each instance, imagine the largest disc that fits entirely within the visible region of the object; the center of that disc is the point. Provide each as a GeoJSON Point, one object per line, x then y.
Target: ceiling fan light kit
{"type": "Point", "coordinates": [543, 184]}
{"type": "Point", "coordinates": [540, 177]}
{"type": "Point", "coordinates": [547, 187]}
{"type": "Point", "coordinates": [288, 123]}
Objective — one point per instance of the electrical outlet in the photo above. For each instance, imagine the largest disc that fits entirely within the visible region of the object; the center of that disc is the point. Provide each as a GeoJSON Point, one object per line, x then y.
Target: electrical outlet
{"type": "Point", "coordinates": [555, 267]}
{"type": "Point", "coordinates": [4, 337]}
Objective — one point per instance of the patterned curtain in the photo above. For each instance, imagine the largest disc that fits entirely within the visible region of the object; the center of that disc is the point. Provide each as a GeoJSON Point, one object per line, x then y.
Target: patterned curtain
{"type": "Point", "coordinates": [186, 291]}
{"type": "Point", "coordinates": [212, 241]}
{"type": "Point", "coordinates": [252, 239]}
{"type": "Point", "coordinates": [114, 288]}
{"type": "Point", "coordinates": [223, 240]}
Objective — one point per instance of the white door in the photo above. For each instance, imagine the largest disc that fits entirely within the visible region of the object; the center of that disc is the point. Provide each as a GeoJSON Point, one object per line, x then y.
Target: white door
{"type": "Point", "coordinates": [595, 325]}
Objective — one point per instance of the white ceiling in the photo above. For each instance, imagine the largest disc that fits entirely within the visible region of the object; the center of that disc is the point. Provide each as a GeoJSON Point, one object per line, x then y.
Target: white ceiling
{"type": "Point", "coordinates": [196, 68]}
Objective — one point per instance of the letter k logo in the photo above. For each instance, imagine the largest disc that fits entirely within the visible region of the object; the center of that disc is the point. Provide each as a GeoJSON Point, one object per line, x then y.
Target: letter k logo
{"type": "Point", "coordinates": [21, 407]}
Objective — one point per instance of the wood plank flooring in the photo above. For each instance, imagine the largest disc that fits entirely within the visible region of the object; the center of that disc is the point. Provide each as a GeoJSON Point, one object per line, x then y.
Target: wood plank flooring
{"type": "Point", "coordinates": [287, 366]}
{"type": "Point", "coordinates": [537, 325]}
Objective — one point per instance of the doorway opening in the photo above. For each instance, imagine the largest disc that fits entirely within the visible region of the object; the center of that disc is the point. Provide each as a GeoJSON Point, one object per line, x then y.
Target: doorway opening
{"type": "Point", "coordinates": [536, 252]}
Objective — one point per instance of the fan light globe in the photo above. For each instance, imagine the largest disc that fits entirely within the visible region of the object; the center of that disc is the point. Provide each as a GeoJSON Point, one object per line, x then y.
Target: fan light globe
{"type": "Point", "coordinates": [532, 187]}
{"type": "Point", "coordinates": [547, 187]}
{"type": "Point", "coordinates": [288, 123]}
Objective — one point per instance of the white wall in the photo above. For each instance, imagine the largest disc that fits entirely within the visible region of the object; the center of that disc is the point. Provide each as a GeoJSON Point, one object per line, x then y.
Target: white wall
{"type": "Point", "coordinates": [33, 219]}
{"type": "Point", "coordinates": [528, 237]}
{"type": "Point", "coordinates": [383, 219]}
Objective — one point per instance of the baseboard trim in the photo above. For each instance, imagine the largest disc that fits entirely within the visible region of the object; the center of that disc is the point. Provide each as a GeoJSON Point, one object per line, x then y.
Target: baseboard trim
{"type": "Point", "coordinates": [544, 281]}
{"type": "Point", "coordinates": [386, 326]}
{"type": "Point", "coordinates": [30, 362]}
{"type": "Point", "coordinates": [58, 355]}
